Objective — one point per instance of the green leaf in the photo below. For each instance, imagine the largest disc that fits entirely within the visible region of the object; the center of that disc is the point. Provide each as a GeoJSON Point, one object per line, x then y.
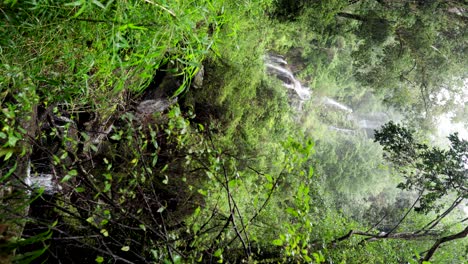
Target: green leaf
{"type": "Point", "coordinates": [108, 176]}
{"type": "Point", "coordinates": [233, 183]}
{"type": "Point", "coordinates": [81, 10]}
{"type": "Point", "coordinates": [12, 140]}
{"type": "Point", "coordinates": [85, 136]}
{"type": "Point", "coordinates": [29, 257]}
{"type": "Point", "coordinates": [8, 155]}
{"type": "Point", "coordinates": [218, 252]}
{"type": "Point", "coordinates": [292, 211]}
{"type": "Point", "coordinates": [132, 26]}
{"type": "Point", "coordinates": [64, 155]}
{"type": "Point", "coordinates": [76, 3]}
{"type": "Point", "coordinates": [96, 2]}
{"type": "Point", "coordinates": [66, 178]}
{"type": "Point", "coordinates": [143, 227]}
{"type": "Point", "coordinates": [79, 189]}
{"type": "Point", "coordinates": [277, 242]}
{"type": "Point", "coordinates": [94, 148]}
{"type": "Point", "coordinates": [179, 90]}
{"type": "Point", "coordinates": [166, 180]}
{"type": "Point", "coordinates": [116, 137]}
{"type": "Point", "coordinates": [125, 248]}
{"type": "Point", "coordinates": [99, 259]}
{"type": "Point", "coordinates": [70, 174]}
{"type": "Point", "coordinates": [107, 186]}
{"type": "Point", "coordinates": [197, 211]}
{"type": "Point", "coordinates": [104, 232]}
{"type": "Point", "coordinates": [311, 171]}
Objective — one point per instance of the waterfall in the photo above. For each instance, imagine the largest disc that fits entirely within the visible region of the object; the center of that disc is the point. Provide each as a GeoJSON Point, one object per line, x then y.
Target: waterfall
{"type": "Point", "coordinates": [276, 66]}
{"type": "Point", "coordinates": [366, 122]}
{"type": "Point", "coordinates": [335, 104]}
{"type": "Point", "coordinates": [342, 130]}
{"type": "Point", "coordinates": [41, 181]}
{"type": "Point", "coordinates": [277, 60]}
{"type": "Point", "coordinates": [369, 124]}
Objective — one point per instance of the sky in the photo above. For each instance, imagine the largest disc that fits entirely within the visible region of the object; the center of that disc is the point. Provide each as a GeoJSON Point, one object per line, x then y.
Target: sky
{"type": "Point", "coordinates": [445, 125]}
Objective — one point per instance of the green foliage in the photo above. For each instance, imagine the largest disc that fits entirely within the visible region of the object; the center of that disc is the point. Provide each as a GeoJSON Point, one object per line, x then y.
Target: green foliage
{"type": "Point", "coordinates": [351, 169]}
{"type": "Point", "coordinates": [227, 174]}
{"type": "Point", "coordinates": [414, 62]}
{"type": "Point", "coordinates": [105, 46]}
{"type": "Point", "coordinates": [432, 171]}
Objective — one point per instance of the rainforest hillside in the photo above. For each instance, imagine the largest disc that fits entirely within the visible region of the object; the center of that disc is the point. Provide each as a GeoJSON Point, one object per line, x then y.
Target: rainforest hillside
{"type": "Point", "coordinates": [219, 131]}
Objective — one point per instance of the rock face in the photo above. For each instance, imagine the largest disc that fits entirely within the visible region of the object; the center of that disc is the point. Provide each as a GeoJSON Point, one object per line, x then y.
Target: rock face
{"type": "Point", "coordinates": [148, 107]}
{"type": "Point", "coordinates": [152, 106]}
{"type": "Point", "coordinates": [197, 81]}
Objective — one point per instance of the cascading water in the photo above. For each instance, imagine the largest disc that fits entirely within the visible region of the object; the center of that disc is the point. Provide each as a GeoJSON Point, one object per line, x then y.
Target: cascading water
{"type": "Point", "coordinates": [43, 181]}
{"type": "Point", "coordinates": [335, 104]}
{"type": "Point", "coordinates": [367, 122]}
{"type": "Point", "coordinates": [277, 66]}
{"type": "Point", "coordinates": [343, 130]}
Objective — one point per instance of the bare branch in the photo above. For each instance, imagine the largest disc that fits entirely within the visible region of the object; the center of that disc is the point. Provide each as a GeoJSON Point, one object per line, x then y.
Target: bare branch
{"type": "Point", "coordinates": [442, 240]}
{"type": "Point", "coordinates": [406, 214]}
{"type": "Point", "coordinates": [436, 221]}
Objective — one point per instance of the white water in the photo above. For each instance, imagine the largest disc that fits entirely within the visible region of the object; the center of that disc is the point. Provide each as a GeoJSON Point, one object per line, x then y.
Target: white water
{"type": "Point", "coordinates": [340, 106]}
{"type": "Point", "coordinates": [277, 66]}
{"type": "Point", "coordinates": [342, 130]}
{"type": "Point", "coordinates": [367, 121]}
{"type": "Point", "coordinates": [277, 60]}
{"type": "Point", "coordinates": [41, 180]}
{"type": "Point", "coordinates": [369, 124]}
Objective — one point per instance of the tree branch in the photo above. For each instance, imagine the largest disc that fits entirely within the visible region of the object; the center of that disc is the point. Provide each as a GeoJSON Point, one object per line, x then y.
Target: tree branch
{"type": "Point", "coordinates": [442, 240]}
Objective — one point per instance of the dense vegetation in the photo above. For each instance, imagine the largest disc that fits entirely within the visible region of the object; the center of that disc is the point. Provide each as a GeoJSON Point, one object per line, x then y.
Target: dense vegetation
{"type": "Point", "coordinates": [151, 132]}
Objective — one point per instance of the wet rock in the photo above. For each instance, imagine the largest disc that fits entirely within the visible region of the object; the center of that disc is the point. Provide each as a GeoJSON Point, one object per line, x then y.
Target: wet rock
{"type": "Point", "coordinates": [153, 106]}
{"type": "Point", "coordinates": [197, 81]}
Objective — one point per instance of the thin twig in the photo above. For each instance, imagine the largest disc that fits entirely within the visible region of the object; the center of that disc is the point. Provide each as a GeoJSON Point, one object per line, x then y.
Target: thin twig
{"type": "Point", "coordinates": [436, 221]}
{"type": "Point", "coordinates": [406, 214]}
{"type": "Point", "coordinates": [380, 221]}
{"type": "Point", "coordinates": [232, 212]}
